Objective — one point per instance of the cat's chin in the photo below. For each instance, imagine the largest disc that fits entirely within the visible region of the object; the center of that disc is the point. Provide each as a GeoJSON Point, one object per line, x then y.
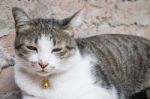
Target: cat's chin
{"type": "Point", "coordinates": [43, 74]}
{"type": "Point", "coordinates": [46, 73]}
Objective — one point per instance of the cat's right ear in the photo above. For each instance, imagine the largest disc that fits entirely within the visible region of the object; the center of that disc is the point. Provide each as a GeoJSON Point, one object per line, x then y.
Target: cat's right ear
{"type": "Point", "coordinates": [21, 19]}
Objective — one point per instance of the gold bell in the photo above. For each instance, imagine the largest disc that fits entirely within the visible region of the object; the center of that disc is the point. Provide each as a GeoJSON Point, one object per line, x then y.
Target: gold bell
{"type": "Point", "coordinates": [45, 84]}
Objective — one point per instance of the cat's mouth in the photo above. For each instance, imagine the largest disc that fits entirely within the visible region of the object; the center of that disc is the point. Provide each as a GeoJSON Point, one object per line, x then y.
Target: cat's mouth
{"type": "Point", "coordinates": [43, 73]}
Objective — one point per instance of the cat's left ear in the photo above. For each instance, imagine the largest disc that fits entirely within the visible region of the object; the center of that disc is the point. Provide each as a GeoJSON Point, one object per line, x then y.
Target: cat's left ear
{"type": "Point", "coordinates": [72, 21]}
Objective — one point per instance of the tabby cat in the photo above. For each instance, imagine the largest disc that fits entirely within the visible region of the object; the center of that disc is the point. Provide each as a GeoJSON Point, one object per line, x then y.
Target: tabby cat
{"type": "Point", "coordinates": [51, 64]}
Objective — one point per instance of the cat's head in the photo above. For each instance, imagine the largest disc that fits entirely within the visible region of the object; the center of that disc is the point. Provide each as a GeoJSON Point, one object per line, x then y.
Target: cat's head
{"type": "Point", "coordinates": [42, 45]}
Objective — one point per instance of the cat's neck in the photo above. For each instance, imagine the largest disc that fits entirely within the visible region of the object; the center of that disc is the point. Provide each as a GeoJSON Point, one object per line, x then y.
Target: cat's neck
{"type": "Point", "coordinates": [79, 65]}
{"type": "Point", "coordinates": [81, 69]}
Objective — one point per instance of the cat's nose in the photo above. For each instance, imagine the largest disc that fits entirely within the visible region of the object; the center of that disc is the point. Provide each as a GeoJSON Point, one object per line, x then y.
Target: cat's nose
{"type": "Point", "coordinates": [43, 64]}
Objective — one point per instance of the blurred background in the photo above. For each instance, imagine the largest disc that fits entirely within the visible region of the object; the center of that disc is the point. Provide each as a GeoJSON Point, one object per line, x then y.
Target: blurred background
{"type": "Point", "coordinates": [98, 17]}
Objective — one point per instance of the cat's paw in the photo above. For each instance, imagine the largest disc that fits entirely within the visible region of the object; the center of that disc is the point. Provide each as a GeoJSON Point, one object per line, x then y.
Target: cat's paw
{"type": "Point", "coordinates": [31, 97]}
{"type": "Point", "coordinates": [148, 93]}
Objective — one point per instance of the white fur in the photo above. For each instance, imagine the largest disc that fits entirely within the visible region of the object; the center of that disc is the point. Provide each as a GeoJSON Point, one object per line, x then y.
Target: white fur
{"type": "Point", "coordinates": [74, 82]}
{"type": "Point", "coordinates": [77, 20]}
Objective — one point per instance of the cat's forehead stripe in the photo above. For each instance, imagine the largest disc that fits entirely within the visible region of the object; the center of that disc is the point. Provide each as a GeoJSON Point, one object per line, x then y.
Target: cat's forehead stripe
{"type": "Point", "coordinates": [45, 42]}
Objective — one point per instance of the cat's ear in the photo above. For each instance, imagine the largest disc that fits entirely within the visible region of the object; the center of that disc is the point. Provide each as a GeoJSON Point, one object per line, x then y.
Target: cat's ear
{"type": "Point", "coordinates": [74, 21]}
{"type": "Point", "coordinates": [21, 18]}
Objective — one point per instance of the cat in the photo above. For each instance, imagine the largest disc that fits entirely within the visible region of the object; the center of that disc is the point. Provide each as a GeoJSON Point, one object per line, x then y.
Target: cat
{"type": "Point", "coordinates": [51, 64]}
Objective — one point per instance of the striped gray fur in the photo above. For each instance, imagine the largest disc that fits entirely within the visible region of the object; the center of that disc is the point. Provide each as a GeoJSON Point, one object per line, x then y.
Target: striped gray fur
{"type": "Point", "coordinates": [124, 59]}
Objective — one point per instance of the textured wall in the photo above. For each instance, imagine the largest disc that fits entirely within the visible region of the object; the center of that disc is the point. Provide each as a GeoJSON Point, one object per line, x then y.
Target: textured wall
{"type": "Point", "coordinates": [98, 16]}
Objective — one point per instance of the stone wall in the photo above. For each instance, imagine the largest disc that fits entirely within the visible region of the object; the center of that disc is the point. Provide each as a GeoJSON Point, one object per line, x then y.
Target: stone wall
{"type": "Point", "coordinates": [98, 16]}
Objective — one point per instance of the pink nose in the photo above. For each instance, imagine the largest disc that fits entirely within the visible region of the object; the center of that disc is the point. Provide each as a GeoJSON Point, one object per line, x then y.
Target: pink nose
{"type": "Point", "coordinates": [42, 64]}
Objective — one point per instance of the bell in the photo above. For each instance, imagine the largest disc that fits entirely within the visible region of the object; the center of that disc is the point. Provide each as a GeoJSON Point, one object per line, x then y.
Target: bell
{"type": "Point", "coordinates": [45, 84]}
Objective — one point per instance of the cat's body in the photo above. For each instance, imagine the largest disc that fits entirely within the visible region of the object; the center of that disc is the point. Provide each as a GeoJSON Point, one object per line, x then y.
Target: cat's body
{"type": "Point", "coordinates": [125, 59]}
{"type": "Point", "coordinates": [99, 67]}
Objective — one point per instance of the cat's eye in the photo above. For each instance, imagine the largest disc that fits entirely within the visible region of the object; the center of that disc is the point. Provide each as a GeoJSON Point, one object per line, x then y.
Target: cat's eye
{"type": "Point", "coordinates": [32, 48]}
{"type": "Point", "coordinates": [57, 50]}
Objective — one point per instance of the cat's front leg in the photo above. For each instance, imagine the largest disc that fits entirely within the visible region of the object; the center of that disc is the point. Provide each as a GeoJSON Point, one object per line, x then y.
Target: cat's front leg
{"type": "Point", "coordinates": [148, 93]}
{"type": "Point", "coordinates": [31, 97]}
{"type": "Point", "coordinates": [95, 97]}
{"type": "Point", "coordinates": [98, 95]}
